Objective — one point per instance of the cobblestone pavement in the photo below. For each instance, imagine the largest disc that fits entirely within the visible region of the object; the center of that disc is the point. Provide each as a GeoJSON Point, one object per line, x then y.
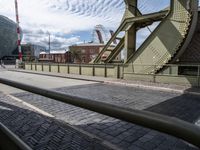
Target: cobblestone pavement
{"type": "Point", "coordinates": [122, 134]}
{"type": "Point", "coordinates": [41, 132]}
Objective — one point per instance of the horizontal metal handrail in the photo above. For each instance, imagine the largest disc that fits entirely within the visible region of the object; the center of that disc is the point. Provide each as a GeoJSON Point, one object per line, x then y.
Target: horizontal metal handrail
{"type": "Point", "coordinates": [71, 64]}
{"type": "Point", "coordinates": [166, 65]}
{"type": "Point", "coordinates": [10, 140]}
{"type": "Point", "coordinates": [165, 124]}
{"type": "Point", "coordinates": [124, 65]}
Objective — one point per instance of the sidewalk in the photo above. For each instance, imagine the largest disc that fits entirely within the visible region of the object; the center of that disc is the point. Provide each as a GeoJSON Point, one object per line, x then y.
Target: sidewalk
{"type": "Point", "coordinates": [139, 84]}
{"type": "Point", "coordinates": [41, 130]}
{"type": "Point", "coordinates": [119, 133]}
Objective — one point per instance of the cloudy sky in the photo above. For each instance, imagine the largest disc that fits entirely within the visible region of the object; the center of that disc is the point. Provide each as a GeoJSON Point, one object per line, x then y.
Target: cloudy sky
{"type": "Point", "coordinates": [69, 21]}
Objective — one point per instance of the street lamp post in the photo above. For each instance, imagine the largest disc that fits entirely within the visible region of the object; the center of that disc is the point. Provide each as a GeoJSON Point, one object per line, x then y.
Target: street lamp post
{"type": "Point", "coordinates": [49, 44]}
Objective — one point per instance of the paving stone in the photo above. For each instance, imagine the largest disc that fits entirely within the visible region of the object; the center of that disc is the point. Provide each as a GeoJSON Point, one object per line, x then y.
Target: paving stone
{"type": "Point", "coordinates": [133, 147]}
{"type": "Point", "coordinates": [43, 133]}
{"type": "Point", "coordinates": [124, 144]}
{"type": "Point", "coordinates": [131, 139]}
{"type": "Point", "coordinates": [109, 128]}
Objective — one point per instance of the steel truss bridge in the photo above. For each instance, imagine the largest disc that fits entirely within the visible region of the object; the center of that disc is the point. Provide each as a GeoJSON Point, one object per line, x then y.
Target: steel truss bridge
{"type": "Point", "coordinates": [165, 45]}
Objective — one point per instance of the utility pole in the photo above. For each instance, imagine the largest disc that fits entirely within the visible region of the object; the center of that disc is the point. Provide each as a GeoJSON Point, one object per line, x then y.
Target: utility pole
{"type": "Point", "coordinates": [18, 32]}
{"type": "Point", "coordinates": [49, 44]}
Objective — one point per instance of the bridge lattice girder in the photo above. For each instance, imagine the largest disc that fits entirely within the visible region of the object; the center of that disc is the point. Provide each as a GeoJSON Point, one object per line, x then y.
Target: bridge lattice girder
{"type": "Point", "coordinates": [164, 44]}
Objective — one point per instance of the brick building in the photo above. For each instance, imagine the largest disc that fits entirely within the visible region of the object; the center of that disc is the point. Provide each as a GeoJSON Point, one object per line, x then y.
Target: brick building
{"type": "Point", "coordinates": [31, 51]}
{"type": "Point", "coordinates": [85, 53]}
{"type": "Point", "coordinates": [56, 57]}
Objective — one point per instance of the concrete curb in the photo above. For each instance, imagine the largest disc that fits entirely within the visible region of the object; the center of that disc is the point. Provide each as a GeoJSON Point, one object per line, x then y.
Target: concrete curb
{"type": "Point", "coordinates": [40, 111]}
{"type": "Point", "coordinates": [141, 86]}
{"type": "Point", "coordinates": [156, 88]}
{"type": "Point", "coordinates": [60, 76]}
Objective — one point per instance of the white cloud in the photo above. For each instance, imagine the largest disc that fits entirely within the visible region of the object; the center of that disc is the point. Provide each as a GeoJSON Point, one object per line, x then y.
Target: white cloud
{"type": "Point", "coordinates": [56, 42]}
{"type": "Point", "coordinates": [64, 17]}
{"type": "Point", "coordinates": [61, 17]}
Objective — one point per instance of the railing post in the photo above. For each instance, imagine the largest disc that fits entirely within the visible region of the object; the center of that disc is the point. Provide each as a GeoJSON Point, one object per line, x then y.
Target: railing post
{"type": "Point", "coordinates": [105, 71]}
{"type": "Point", "coordinates": [68, 68]}
{"type": "Point", "coordinates": [24, 66]}
{"type": "Point", "coordinates": [93, 70]}
{"type": "Point", "coordinates": [80, 69]}
{"type": "Point", "coordinates": [198, 75]}
{"type": "Point", "coordinates": [118, 71]}
{"type": "Point", "coordinates": [154, 74]}
{"type": "Point", "coordinates": [31, 66]}
{"type": "Point", "coordinates": [170, 70]}
{"type": "Point", "coordinates": [58, 68]}
{"type": "Point", "coordinates": [123, 71]}
{"type": "Point", "coordinates": [49, 67]}
{"type": "Point", "coordinates": [35, 67]}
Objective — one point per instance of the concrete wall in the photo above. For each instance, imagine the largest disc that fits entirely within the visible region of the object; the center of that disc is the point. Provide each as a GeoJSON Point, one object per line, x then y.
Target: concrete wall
{"type": "Point", "coordinates": [169, 76]}
{"type": "Point", "coordinates": [87, 70]}
{"type": "Point", "coordinates": [111, 71]}
{"type": "Point", "coordinates": [168, 79]}
{"type": "Point", "coordinates": [63, 69]}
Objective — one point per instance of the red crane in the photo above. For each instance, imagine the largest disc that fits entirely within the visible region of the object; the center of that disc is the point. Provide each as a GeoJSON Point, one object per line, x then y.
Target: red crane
{"type": "Point", "coordinates": [18, 32]}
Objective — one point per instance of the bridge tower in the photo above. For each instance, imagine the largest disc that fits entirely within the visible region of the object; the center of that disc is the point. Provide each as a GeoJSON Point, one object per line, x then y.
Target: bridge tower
{"type": "Point", "coordinates": [166, 43]}
{"type": "Point", "coordinates": [130, 33]}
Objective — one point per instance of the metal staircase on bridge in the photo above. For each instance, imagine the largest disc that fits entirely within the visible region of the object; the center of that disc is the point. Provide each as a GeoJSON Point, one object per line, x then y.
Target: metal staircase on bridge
{"type": "Point", "coordinates": [192, 53]}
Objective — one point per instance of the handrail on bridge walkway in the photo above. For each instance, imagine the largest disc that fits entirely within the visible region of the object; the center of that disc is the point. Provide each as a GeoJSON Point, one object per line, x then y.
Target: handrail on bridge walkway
{"type": "Point", "coordinates": [9, 141]}
{"type": "Point", "coordinates": [169, 125]}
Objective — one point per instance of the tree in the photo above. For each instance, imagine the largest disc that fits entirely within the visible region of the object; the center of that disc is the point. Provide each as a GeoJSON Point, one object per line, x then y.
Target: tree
{"type": "Point", "coordinates": [76, 53]}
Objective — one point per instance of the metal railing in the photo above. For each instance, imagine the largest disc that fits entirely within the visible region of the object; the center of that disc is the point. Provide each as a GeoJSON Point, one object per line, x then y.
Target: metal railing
{"type": "Point", "coordinates": [189, 72]}
{"type": "Point", "coordinates": [165, 124]}
{"type": "Point", "coordinates": [9, 141]}
{"type": "Point", "coordinates": [108, 65]}
{"type": "Point", "coordinates": [155, 66]}
{"type": "Point", "coordinates": [169, 71]}
{"type": "Point", "coordinates": [69, 68]}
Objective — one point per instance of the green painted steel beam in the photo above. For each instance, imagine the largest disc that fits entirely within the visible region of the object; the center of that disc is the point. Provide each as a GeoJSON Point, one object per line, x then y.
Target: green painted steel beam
{"type": "Point", "coordinates": [129, 22]}
{"type": "Point", "coordinates": [130, 34]}
{"type": "Point", "coordinates": [167, 40]}
{"type": "Point", "coordinates": [115, 51]}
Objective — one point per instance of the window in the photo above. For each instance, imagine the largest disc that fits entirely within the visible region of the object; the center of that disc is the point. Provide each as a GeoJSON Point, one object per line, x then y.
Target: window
{"type": "Point", "coordinates": [83, 51]}
{"type": "Point", "coordinates": [83, 59]}
{"type": "Point", "coordinates": [91, 51]}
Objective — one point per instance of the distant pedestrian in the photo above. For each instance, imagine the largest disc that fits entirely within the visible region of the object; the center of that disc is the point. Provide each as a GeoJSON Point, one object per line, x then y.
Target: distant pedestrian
{"type": "Point", "coordinates": [2, 64]}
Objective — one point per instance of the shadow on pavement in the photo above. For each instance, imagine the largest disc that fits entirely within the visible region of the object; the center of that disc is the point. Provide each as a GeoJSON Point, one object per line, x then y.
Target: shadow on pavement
{"type": "Point", "coordinates": [41, 132]}
{"type": "Point", "coordinates": [185, 107]}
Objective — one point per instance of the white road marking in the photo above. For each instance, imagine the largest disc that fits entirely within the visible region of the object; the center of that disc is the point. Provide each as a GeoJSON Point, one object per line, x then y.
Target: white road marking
{"type": "Point", "coordinates": [31, 106]}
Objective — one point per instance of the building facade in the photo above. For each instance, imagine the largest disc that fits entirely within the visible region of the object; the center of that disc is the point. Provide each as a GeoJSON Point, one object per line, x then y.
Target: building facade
{"type": "Point", "coordinates": [31, 52]}
{"type": "Point", "coordinates": [85, 53]}
{"type": "Point", "coordinates": [56, 57]}
{"type": "Point", "coordinates": [8, 36]}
